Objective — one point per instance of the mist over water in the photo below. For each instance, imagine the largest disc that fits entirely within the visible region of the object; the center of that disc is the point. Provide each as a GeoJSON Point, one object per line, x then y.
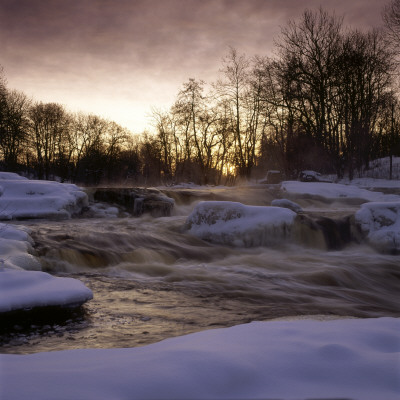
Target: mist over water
{"type": "Point", "coordinates": [152, 280]}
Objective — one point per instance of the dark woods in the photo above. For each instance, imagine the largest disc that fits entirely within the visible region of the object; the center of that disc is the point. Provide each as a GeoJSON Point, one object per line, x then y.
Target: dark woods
{"type": "Point", "coordinates": [327, 101]}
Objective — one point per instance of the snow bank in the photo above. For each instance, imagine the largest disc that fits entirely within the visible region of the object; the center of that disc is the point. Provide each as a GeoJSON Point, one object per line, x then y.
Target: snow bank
{"type": "Point", "coordinates": [380, 168]}
{"type": "Point", "coordinates": [357, 359]}
{"type": "Point", "coordinates": [239, 225]}
{"type": "Point", "coordinates": [380, 222]}
{"type": "Point", "coordinates": [11, 176]}
{"type": "Point", "coordinates": [22, 288]}
{"type": "Point", "coordinates": [371, 183]}
{"type": "Point", "coordinates": [22, 198]}
{"type": "Point", "coordinates": [334, 191]}
{"type": "Point", "coordinates": [28, 289]}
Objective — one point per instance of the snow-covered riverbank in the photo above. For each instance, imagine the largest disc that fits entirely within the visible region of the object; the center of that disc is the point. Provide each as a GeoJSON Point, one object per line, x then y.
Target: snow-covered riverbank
{"type": "Point", "coordinates": [343, 358]}
{"type": "Point", "coordinates": [357, 359]}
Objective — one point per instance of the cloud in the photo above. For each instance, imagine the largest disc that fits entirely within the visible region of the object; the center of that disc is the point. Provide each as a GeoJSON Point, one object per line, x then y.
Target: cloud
{"type": "Point", "coordinates": [147, 47]}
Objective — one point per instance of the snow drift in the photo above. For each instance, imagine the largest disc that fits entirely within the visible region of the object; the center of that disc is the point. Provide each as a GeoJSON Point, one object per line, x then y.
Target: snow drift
{"type": "Point", "coordinates": [334, 191]}
{"type": "Point", "coordinates": [235, 224]}
{"type": "Point", "coordinates": [355, 359]}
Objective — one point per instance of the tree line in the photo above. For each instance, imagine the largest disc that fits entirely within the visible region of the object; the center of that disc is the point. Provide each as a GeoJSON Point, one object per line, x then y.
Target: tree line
{"type": "Point", "coordinates": [326, 101]}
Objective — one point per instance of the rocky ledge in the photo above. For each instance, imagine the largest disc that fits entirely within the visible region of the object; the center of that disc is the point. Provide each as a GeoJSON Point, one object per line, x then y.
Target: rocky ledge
{"type": "Point", "coordinates": [135, 201]}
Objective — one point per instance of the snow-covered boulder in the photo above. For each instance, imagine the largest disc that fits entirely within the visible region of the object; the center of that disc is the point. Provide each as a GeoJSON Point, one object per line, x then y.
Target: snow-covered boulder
{"type": "Point", "coordinates": [23, 285]}
{"type": "Point", "coordinates": [16, 248]}
{"type": "Point", "coordinates": [23, 198]}
{"type": "Point", "coordinates": [285, 203]}
{"type": "Point", "coordinates": [380, 223]}
{"type": "Point", "coordinates": [102, 210]}
{"type": "Point", "coordinates": [239, 225]}
{"type": "Point", "coordinates": [21, 290]}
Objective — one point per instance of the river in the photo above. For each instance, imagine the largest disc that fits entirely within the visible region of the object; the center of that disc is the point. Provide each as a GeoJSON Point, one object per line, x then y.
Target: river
{"type": "Point", "coordinates": [152, 280]}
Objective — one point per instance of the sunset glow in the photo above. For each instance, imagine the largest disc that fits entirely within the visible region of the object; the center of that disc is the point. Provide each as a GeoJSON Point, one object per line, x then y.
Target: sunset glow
{"type": "Point", "coordinates": [119, 59]}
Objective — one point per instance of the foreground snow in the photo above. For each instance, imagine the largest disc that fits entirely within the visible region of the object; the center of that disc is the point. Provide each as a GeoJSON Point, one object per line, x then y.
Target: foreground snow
{"type": "Point", "coordinates": [236, 224]}
{"type": "Point", "coordinates": [23, 198]}
{"type": "Point", "coordinates": [357, 359]}
{"type": "Point", "coordinates": [23, 285]}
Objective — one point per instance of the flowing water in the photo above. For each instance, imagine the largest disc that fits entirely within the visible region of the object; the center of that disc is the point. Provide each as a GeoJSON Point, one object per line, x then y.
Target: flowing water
{"type": "Point", "coordinates": [152, 280]}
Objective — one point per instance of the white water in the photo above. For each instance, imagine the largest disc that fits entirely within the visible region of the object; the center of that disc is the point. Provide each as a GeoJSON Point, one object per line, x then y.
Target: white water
{"type": "Point", "coordinates": [152, 280]}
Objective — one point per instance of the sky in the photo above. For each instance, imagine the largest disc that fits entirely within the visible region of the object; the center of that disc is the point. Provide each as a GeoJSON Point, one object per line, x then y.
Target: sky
{"type": "Point", "coordinates": [119, 59]}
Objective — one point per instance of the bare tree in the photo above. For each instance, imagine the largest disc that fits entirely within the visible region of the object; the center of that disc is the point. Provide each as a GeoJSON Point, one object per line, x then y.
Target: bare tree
{"type": "Point", "coordinates": [391, 17]}
{"type": "Point", "coordinates": [14, 127]}
{"type": "Point", "coordinates": [365, 81]}
{"type": "Point", "coordinates": [240, 89]}
{"type": "Point", "coordinates": [3, 104]}
{"type": "Point", "coordinates": [309, 51]}
{"type": "Point", "coordinates": [169, 143]}
{"type": "Point", "coordinates": [49, 123]}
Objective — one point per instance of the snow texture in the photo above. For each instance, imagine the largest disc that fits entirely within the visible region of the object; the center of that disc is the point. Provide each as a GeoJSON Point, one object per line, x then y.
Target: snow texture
{"type": "Point", "coordinates": [16, 248]}
{"type": "Point", "coordinates": [23, 285]}
{"type": "Point", "coordinates": [380, 222]}
{"type": "Point", "coordinates": [235, 224]}
{"type": "Point", "coordinates": [350, 358]}
{"type": "Point", "coordinates": [27, 289]}
{"type": "Point", "coordinates": [371, 183]}
{"type": "Point", "coordinates": [380, 168]}
{"type": "Point", "coordinates": [22, 198]}
{"type": "Point", "coordinates": [102, 210]}
{"type": "Point", "coordinates": [285, 203]}
{"type": "Point", "coordinates": [334, 191]}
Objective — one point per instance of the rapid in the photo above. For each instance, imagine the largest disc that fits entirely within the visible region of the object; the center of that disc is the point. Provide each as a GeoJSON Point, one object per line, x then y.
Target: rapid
{"type": "Point", "coordinates": [152, 280]}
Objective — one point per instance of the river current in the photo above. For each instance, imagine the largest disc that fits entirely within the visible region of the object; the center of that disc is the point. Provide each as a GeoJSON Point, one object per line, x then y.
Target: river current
{"type": "Point", "coordinates": [152, 280]}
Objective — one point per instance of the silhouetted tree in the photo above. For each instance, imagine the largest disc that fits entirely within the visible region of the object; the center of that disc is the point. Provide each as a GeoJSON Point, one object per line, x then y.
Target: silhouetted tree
{"type": "Point", "coordinates": [14, 128]}
{"type": "Point", "coordinates": [309, 51]}
{"type": "Point", "coordinates": [391, 18]}
{"type": "Point", "coordinates": [49, 122]}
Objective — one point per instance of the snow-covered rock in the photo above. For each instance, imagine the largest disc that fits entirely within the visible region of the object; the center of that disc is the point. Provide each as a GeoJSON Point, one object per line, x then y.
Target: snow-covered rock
{"type": "Point", "coordinates": [285, 203]}
{"type": "Point", "coordinates": [23, 198]}
{"type": "Point", "coordinates": [16, 250]}
{"type": "Point", "coordinates": [380, 223]}
{"type": "Point", "coordinates": [304, 359]}
{"type": "Point", "coordinates": [27, 289]}
{"type": "Point", "coordinates": [235, 224]}
{"type": "Point", "coordinates": [102, 210]}
{"type": "Point", "coordinates": [23, 285]}
{"type": "Point", "coordinates": [312, 176]}
{"type": "Point", "coordinates": [334, 191]}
